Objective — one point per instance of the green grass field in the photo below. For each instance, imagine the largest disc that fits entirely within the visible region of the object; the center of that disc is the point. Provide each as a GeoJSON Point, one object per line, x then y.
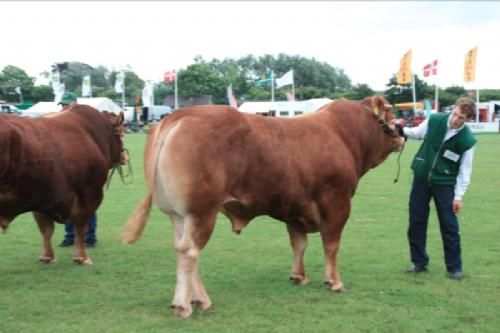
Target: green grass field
{"type": "Point", "coordinates": [129, 288]}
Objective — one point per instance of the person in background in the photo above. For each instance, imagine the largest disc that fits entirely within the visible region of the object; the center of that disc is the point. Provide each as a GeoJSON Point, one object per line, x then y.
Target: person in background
{"type": "Point", "coordinates": [67, 100]}
{"type": "Point", "coordinates": [442, 170]}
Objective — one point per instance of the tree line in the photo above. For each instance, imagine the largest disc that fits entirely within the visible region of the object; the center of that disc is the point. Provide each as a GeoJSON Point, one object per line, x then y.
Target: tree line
{"type": "Point", "coordinates": [312, 79]}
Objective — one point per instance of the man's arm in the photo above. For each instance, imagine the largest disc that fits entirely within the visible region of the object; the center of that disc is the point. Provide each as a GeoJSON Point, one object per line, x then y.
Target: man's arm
{"type": "Point", "coordinates": [463, 179]}
{"type": "Point", "coordinates": [418, 132]}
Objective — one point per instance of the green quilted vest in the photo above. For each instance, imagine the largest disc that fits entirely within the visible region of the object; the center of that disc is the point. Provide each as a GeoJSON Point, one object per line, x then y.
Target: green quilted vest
{"type": "Point", "coordinates": [438, 162]}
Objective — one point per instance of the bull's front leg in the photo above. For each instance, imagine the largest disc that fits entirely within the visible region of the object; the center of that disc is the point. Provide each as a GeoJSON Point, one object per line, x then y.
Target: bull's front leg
{"type": "Point", "coordinates": [46, 227]}
{"type": "Point", "coordinates": [298, 241]}
{"type": "Point", "coordinates": [81, 256]}
{"type": "Point", "coordinates": [332, 275]}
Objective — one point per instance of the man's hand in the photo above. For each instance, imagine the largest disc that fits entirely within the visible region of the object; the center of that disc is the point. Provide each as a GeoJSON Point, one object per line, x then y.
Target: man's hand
{"type": "Point", "coordinates": [457, 206]}
{"type": "Point", "coordinates": [400, 131]}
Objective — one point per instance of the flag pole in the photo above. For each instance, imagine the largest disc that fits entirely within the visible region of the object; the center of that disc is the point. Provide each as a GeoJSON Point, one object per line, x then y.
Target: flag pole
{"type": "Point", "coordinates": [437, 98]}
{"type": "Point", "coordinates": [272, 85]}
{"type": "Point", "coordinates": [293, 83]}
{"type": "Point", "coordinates": [414, 95]}
{"type": "Point", "coordinates": [176, 106]}
{"type": "Point", "coordinates": [123, 92]}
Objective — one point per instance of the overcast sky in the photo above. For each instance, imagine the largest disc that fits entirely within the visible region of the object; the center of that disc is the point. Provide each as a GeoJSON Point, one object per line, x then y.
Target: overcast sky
{"type": "Point", "coordinates": [365, 39]}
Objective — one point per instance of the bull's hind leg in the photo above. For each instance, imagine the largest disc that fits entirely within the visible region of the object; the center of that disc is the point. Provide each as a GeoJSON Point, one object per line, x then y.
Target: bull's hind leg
{"type": "Point", "coordinates": [46, 227]}
{"type": "Point", "coordinates": [298, 241]}
{"type": "Point", "coordinates": [191, 235]}
{"type": "Point", "coordinates": [81, 256]}
{"type": "Point", "coordinates": [336, 215]}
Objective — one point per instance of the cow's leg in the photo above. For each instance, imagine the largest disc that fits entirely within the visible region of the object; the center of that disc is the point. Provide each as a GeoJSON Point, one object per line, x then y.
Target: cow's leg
{"type": "Point", "coordinates": [46, 227]}
{"type": "Point", "coordinates": [298, 241]}
{"type": "Point", "coordinates": [191, 235]}
{"type": "Point", "coordinates": [335, 217]}
{"type": "Point", "coordinates": [80, 254]}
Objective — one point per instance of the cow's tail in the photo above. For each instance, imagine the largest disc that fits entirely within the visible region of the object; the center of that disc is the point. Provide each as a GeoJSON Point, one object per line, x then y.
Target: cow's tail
{"type": "Point", "coordinates": [137, 222]}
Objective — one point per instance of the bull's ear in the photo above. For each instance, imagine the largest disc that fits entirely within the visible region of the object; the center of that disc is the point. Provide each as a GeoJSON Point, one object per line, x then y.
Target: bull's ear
{"type": "Point", "coordinates": [378, 106]}
{"type": "Point", "coordinates": [120, 119]}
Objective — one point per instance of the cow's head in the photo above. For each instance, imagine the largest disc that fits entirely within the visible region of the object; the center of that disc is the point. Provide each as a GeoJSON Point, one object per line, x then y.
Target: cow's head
{"type": "Point", "coordinates": [119, 154]}
{"type": "Point", "coordinates": [383, 112]}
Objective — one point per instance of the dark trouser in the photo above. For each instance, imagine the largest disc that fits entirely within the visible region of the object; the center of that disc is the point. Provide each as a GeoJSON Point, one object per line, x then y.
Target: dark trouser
{"type": "Point", "coordinates": [420, 196]}
{"type": "Point", "coordinates": [89, 236]}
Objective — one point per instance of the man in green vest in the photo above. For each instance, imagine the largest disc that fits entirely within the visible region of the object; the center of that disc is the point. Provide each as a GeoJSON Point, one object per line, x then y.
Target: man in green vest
{"type": "Point", "coordinates": [442, 169]}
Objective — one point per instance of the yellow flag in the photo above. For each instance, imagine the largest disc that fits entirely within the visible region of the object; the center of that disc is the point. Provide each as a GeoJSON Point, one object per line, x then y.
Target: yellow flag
{"type": "Point", "coordinates": [404, 74]}
{"type": "Point", "coordinates": [470, 65]}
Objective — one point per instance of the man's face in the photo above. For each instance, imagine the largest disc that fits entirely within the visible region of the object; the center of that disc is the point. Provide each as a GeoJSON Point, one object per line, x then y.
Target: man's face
{"type": "Point", "coordinates": [457, 118]}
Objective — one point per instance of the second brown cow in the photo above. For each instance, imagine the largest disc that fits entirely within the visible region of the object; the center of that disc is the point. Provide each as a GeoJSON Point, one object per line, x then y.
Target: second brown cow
{"type": "Point", "coordinates": [303, 171]}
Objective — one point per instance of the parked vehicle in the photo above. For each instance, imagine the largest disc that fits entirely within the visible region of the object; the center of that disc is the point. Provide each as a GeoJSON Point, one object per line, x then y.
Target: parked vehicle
{"type": "Point", "coordinates": [155, 113]}
{"type": "Point", "coordinates": [9, 108]}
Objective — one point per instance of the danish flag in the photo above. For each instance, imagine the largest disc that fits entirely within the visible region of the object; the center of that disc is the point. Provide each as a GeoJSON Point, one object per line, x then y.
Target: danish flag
{"type": "Point", "coordinates": [169, 76]}
{"type": "Point", "coordinates": [431, 69]}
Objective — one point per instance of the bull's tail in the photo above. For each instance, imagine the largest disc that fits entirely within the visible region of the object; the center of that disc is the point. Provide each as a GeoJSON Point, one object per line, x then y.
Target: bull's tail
{"type": "Point", "coordinates": [137, 222]}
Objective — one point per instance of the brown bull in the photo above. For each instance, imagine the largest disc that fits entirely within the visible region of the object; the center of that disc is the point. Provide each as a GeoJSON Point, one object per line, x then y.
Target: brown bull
{"type": "Point", "coordinates": [303, 171]}
{"type": "Point", "coordinates": [56, 167]}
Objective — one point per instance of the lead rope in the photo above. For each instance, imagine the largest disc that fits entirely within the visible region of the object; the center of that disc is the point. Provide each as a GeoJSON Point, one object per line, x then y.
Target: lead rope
{"type": "Point", "coordinates": [123, 176]}
{"type": "Point", "coordinates": [399, 164]}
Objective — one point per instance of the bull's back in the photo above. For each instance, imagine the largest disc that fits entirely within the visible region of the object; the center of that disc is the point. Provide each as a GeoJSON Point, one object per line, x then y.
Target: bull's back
{"type": "Point", "coordinates": [210, 155]}
{"type": "Point", "coordinates": [55, 162]}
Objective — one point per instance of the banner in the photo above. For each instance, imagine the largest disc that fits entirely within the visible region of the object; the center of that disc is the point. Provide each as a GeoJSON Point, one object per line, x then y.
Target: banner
{"type": "Point", "coordinates": [86, 87]}
{"type": "Point", "coordinates": [169, 76]}
{"type": "Point", "coordinates": [285, 80]}
{"type": "Point", "coordinates": [404, 74]}
{"type": "Point", "coordinates": [230, 97]}
{"type": "Point", "coordinates": [430, 69]}
{"type": "Point", "coordinates": [120, 82]}
{"type": "Point", "coordinates": [58, 92]}
{"type": "Point", "coordinates": [55, 79]}
{"type": "Point", "coordinates": [470, 65]}
{"type": "Point", "coordinates": [147, 94]}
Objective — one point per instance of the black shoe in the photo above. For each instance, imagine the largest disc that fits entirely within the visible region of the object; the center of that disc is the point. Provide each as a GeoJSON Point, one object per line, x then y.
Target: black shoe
{"type": "Point", "coordinates": [66, 243]}
{"type": "Point", "coordinates": [416, 269]}
{"type": "Point", "coordinates": [458, 275]}
{"type": "Point", "coordinates": [91, 243]}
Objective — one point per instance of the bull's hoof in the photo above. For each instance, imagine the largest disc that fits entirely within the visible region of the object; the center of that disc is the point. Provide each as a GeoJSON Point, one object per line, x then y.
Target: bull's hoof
{"type": "Point", "coordinates": [202, 305]}
{"type": "Point", "coordinates": [46, 259]}
{"type": "Point", "coordinates": [183, 312]}
{"type": "Point", "coordinates": [337, 287]}
{"type": "Point", "coordinates": [82, 261]}
{"type": "Point", "coordinates": [298, 279]}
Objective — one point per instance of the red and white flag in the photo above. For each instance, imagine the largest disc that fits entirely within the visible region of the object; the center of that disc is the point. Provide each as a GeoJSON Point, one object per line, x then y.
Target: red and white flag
{"type": "Point", "coordinates": [169, 76]}
{"type": "Point", "coordinates": [431, 69]}
{"type": "Point", "coordinates": [290, 97]}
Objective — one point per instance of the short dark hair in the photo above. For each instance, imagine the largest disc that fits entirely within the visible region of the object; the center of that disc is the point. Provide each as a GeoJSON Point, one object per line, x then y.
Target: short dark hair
{"type": "Point", "coordinates": [467, 106]}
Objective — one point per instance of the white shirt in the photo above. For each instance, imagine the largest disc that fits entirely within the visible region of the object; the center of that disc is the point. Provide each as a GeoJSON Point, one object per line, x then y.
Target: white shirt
{"type": "Point", "coordinates": [465, 171]}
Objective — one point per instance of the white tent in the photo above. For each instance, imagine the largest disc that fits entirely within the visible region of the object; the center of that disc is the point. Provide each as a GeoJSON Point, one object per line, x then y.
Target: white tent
{"type": "Point", "coordinates": [41, 108]}
{"type": "Point", "coordinates": [284, 108]}
{"type": "Point", "coordinates": [100, 103]}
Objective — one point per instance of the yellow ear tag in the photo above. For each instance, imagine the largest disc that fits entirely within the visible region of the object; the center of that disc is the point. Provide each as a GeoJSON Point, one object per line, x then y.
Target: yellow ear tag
{"type": "Point", "coordinates": [376, 110]}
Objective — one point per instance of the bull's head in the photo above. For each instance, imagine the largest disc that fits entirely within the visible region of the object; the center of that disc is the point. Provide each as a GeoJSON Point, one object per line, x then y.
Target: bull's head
{"type": "Point", "coordinates": [119, 154]}
{"type": "Point", "coordinates": [383, 112]}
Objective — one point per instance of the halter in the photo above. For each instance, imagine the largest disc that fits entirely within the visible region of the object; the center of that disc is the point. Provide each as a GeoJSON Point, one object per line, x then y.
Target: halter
{"type": "Point", "coordinates": [392, 133]}
{"type": "Point", "coordinates": [117, 130]}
